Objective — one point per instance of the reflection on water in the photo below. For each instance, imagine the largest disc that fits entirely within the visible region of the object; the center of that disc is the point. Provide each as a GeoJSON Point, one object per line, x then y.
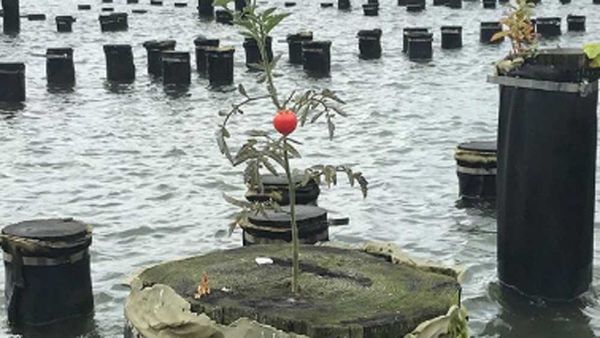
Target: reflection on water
{"type": "Point", "coordinates": [524, 317]}
{"type": "Point", "coordinates": [73, 327]}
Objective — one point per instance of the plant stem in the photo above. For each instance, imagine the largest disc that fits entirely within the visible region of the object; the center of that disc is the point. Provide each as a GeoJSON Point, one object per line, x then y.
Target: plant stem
{"type": "Point", "coordinates": [268, 68]}
{"type": "Point", "coordinates": [295, 240]}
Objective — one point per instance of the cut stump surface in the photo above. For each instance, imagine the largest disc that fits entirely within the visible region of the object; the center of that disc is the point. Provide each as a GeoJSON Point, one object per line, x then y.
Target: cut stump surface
{"type": "Point", "coordinates": [344, 293]}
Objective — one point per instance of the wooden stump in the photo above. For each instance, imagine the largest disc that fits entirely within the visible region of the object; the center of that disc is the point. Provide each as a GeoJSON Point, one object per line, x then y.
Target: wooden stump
{"type": "Point", "coordinates": [344, 293]}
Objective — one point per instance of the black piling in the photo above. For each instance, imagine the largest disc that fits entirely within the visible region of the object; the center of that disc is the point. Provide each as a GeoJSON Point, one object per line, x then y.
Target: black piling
{"type": "Point", "coordinates": [107, 9]}
{"type": "Point", "coordinates": [240, 5]}
{"type": "Point", "coordinates": [576, 23]}
{"type": "Point", "coordinates": [564, 2]}
{"type": "Point", "coordinates": [176, 68]}
{"type": "Point", "coordinates": [548, 27]}
{"type": "Point", "coordinates": [60, 70]}
{"type": "Point", "coordinates": [180, 4]}
{"type": "Point", "coordinates": [451, 37]}
{"type": "Point", "coordinates": [224, 17]}
{"type": "Point", "coordinates": [407, 31]}
{"type": "Point", "coordinates": [289, 4]}
{"type": "Point", "coordinates": [156, 3]}
{"type": "Point", "coordinates": [154, 49]}
{"type": "Point", "coordinates": [11, 19]}
{"type": "Point", "coordinates": [489, 4]}
{"type": "Point", "coordinates": [420, 46]}
{"type": "Point", "coordinates": [119, 63]}
{"type": "Point", "coordinates": [220, 65]}
{"type": "Point", "coordinates": [546, 176]}
{"type": "Point", "coordinates": [84, 7]}
{"type": "Point", "coordinates": [476, 164]}
{"type": "Point", "coordinates": [455, 4]}
{"type": "Point", "coordinates": [316, 58]}
{"type": "Point", "coordinates": [107, 1]}
{"type": "Point", "coordinates": [206, 8]}
{"type": "Point", "coordinates": [327, 4]}
{"type": "Point", "coordinates": [344, 4]}
{"type": "Point", "coordinates": [439, 2]}
{"type": "Point", "coordinates": [202, 43]}
{"type": "Point", "coordinates": [253, 56]}
{"type": "Point", "coordinates": [369, 44]}
{"type": "Point", "coordinates": [487, 30]}
{"type": "Point", "coordinates": [36, 17]}
{"type": "Point", "coordinates": [114, 22]}
{"type": "Point", "coordinates": [295, 45]}
{"type": "Point", "coordinates": [47, 271]}
{"type": "Point", "coordinates": [370, 9]}
{"type": "Point", "coordinates": [275, 227]}
{"type": "Point", "coordinates": [306, 194]}
{"type": "Point", "coordinates": [415, 5]}
{"type": "Point", "coordinates": [64, 23]}
{"type": "Point", "coordinates": [131, 2]}
{"type": "Point", "coordinates": [12, 82]}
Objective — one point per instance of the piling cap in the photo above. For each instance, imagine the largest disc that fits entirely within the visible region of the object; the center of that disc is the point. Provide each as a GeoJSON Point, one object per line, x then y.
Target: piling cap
{"type": "Point", "coordinates": [222, 50]}
{"type": "Point", "coordinates": [65, 18]}
{"type": "Point", "coordinates": [300, 36]}
{"type": "Point", "coordinates": [304, 214]}
{"type": "Point", "coordinates": [252, 41]}
{"type": "Point", "coordinates": [59, 52]}
{"type": "Point", "coordinates": [316, 44]}
{"type": "Point", "coordinates": [160, 44]}
{"type": "Point", "coordinates": [63, 229]}
{"type": "Point", "coordinates": [11, 67]}
{"type": "Point", "coordinates": [548, 21]}
{"type": "Point", "coordinates": [370, 6]}
{"type": "Point", "coordinates": [491, 24]}
{"type": "Point", "coordinates": [110, 48]}
{"type": "Point", "coordinates": [202, 40]}
{"type": "Point", "coordinates": [414, 29]}
{"type": "Point", "coordinates": [481, 146]}
{"type": "Point", "coordinates": [451, 28]}
{"type": "Point", "coordinates": [370, 33]}
{"type": "Point", "coordinates": [173, 56]}
{"type": "Point", "coordinates": [572, 17]}
{"type": "Point", "coordinates": [419, 35]}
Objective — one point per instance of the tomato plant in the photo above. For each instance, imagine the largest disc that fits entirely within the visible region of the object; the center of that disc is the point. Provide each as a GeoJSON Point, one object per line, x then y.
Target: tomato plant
{"type": "Point", "coordinates": [262, 151]}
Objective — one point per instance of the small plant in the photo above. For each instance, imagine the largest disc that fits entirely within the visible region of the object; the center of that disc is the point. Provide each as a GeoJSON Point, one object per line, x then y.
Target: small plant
{"type": "Point", "coordinates": [519, 29]}
{"type": "Point", "coordinates": [264, 151]}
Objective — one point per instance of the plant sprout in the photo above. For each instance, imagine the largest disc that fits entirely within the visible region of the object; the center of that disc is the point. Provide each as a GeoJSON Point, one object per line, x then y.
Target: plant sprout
{"type": "Point", "coordinates": [519, 29]}
{"type": "Point", "coordinates": [264, 151]}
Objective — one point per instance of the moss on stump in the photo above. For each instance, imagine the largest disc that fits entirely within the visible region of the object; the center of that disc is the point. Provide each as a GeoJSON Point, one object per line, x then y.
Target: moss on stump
{"type": "Point", "coordinates": [344, 293]}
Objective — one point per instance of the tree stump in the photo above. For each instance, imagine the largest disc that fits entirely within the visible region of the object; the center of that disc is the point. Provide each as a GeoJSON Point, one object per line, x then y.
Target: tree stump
{"type": "Point", "coordinates": [344, 293]}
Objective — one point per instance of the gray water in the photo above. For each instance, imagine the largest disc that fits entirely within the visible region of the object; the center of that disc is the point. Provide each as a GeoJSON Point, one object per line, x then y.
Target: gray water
{"type": "Point", "coordinates": [143, 167]}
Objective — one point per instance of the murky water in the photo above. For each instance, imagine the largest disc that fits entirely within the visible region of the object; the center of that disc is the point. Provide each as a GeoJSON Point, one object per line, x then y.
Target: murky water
{"type": "Point", "coordinates": [144, 169]}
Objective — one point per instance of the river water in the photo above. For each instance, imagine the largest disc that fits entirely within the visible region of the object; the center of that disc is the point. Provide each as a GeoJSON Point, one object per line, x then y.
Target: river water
{"type": "Point", "coordinates": [143, 166]}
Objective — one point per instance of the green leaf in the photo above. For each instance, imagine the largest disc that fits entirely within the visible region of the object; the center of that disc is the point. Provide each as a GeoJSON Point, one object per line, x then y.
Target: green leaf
{"type": "Point", "coordinates": [242, 90]}
{"type": "Point", "coordinates": [236, 202]}
{"type": "Point", "coordinates": [292, 151]}
{"type": "Point", "coordinates": [273, 21]}
{"type": "Point", "coordinates": [592, 51]}
{"type": "Point", "coordinates": [331, 127]}
{"type": "Point", "coordinates": [268, 12]}
{"type": "Point", "coordinates": [316, 116]}
{"type": "Point", "coordinates": [339, 111]}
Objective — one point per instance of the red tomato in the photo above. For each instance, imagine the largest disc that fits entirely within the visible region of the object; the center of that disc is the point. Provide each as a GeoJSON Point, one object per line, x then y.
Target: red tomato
{"type": "Point", "coordinates": [285, 122]}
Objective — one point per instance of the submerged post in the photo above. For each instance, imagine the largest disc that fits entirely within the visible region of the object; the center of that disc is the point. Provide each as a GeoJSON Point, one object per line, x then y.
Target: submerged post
{"type": "Point", "coordinates": [11, 20]}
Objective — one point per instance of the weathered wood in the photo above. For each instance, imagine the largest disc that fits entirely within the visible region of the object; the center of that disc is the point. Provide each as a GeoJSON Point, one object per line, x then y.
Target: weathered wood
{"type": "Point", "coordinates": [344, 293]}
